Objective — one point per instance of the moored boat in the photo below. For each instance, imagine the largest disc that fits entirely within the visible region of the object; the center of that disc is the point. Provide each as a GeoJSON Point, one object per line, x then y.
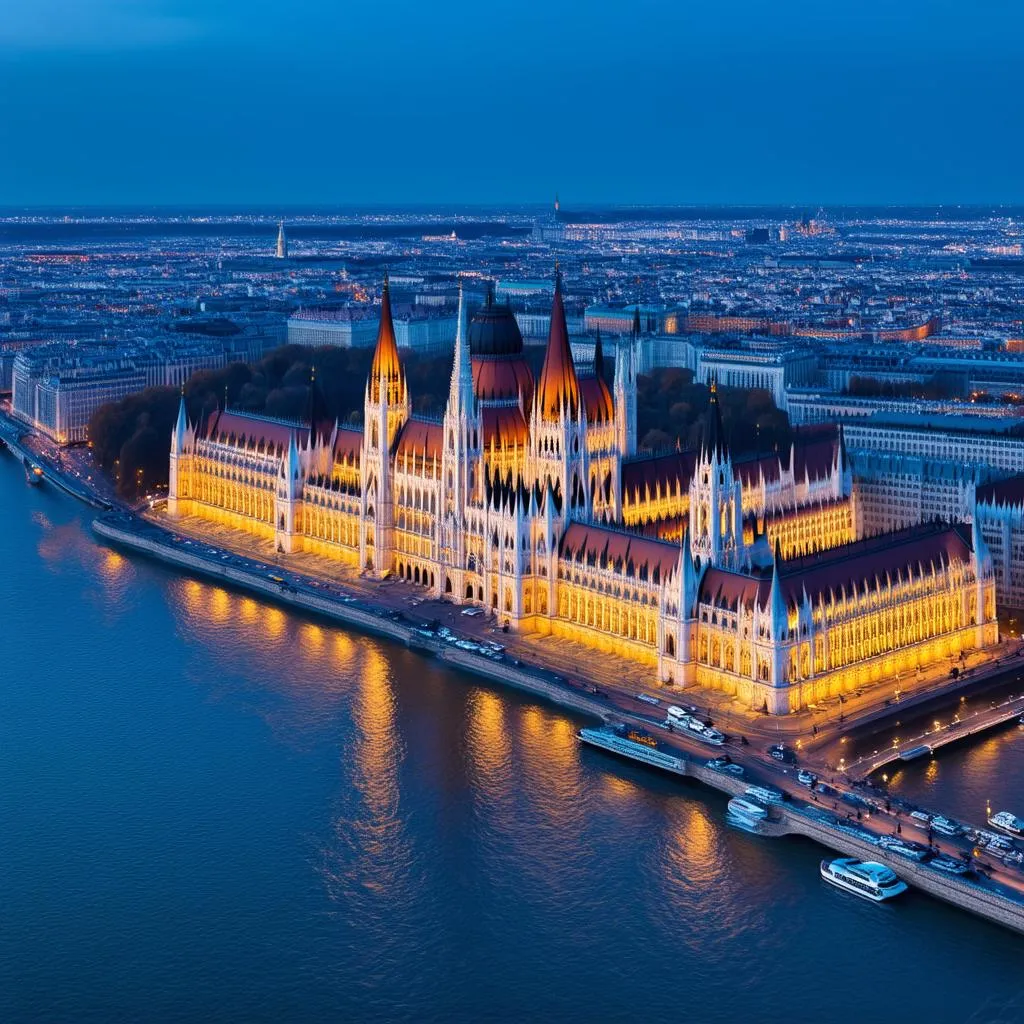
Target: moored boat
{"type": "Point", "coordinates": [946, 826]}
{"type": "Point", "coordinates": [867, 879]}
{"type": "Point", "coordinates": [765, 794]}
{"type": "Point", "coordinates": [1007, 822]}
{"type": "Point", "coordinates": [904, 847]}
{"type": "Point", "coordinates": [746, 815]}
{"type": "Point", "coordinates": [950, 865]}
{"type": "Point", "coordinates": [635, 746]}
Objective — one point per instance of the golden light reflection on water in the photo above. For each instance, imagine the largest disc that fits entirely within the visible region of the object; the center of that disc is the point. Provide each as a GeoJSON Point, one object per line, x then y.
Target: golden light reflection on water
{"type": "Point", "coordinates": [617, 788]}
{"type": "Point", "coordinates": [273, 622]}
{"type": "Point", "coordinates": [376, 753]}
{"type": "Point", "coordinates": [488, 744]}
{"type": "Point", "coordinates": [344, 649]}
{"type": "Point", "coordinates": [220, 606]}
{"type": "Point", "coordinates": [248, 610]}
{"type": "Point", "coordinates": [312, 639]}
{"type": "Point", "coordinates": [551, 766]}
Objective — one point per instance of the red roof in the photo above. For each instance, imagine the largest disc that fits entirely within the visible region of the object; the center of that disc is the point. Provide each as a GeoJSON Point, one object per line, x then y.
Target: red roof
{"type": "Point", "coordinates": [858, 566]}
{"type": "Point", "coordinates": [504, 423]}
{"type": "Point", "coordinates": [348, 443]}
{"type": "Point", "coordinates": [622, 552]}
{"type": "Point", "coordinates": [420, 436]}
{"type": "Point", "coordinates": [248, 430]}
{"type": "Point", "coordinates": [734, 590]}
{"type": "Point", "coordinates": [502, 377]}
{"type": "Point", "coordinates": [750, 471]}
{"type": "Point", "coordinates": [672, 471]}
{"type": "Point", "coordinates": [597, 400]}
{"type": "Point", "coordinates": [814, 452]}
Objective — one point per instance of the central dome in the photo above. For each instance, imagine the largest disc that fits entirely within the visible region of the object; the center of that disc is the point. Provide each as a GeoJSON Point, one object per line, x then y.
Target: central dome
{"type": "Point", "coordinates": [493, 331]}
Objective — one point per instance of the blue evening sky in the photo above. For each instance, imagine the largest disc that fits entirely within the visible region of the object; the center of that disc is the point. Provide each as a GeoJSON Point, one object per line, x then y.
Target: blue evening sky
{"type": "Point", "coordinates": [645, 101]}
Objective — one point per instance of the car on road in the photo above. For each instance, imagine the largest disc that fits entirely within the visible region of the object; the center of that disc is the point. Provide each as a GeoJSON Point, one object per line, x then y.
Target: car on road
{"type": "Point", "coordinates": [725, 764]}
{"type": "Point", "coordinates": [806, 778]}
{"type": "Point", "coordinates": [780, 752]}
{"type": "Point", "coordinates": [472, 612]}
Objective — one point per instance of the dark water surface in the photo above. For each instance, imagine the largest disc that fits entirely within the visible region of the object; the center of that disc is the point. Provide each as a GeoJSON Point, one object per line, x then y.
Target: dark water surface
{"type": "Point", "coordinates": [210, 809]}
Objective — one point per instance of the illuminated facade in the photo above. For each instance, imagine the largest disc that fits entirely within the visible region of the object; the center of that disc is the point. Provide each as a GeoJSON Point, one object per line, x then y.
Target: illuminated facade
{"type": "Point", "coordinates": [528, 499]}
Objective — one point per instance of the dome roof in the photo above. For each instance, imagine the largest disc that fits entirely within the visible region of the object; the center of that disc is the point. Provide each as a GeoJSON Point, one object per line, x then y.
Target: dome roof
{"type": "Point", "coordinates": [502, 380]}
{"type": "Point", "coordinates": [493, 331]}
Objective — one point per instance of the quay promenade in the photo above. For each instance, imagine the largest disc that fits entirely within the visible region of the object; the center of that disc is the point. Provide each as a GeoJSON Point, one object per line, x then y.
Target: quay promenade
{"type": "Point", "coordinates": [996, 893]}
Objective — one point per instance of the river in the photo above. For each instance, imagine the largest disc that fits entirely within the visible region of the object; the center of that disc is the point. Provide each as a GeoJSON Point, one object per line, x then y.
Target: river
{"type": "Point", "coordinates": [210, 808]}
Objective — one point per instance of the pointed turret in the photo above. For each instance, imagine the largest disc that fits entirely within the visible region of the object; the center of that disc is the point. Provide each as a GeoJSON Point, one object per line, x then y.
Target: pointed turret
{"type": "Point", "coordinates": [558, 386]}
{"type": "Point", "coordinates": [776, 602]}
{"type": "Point", "coordinates": [386, 366]}
{"type": "Point", "coordinates": [282, 242]}
{"type": "Point", "coordinates": [688, 584]}
{"type": "Point", "coordinates": [460, 393]}
{"type": "Point", "coordinates": [316, 409]}
{"type": "Point", "coordinates": [714, 434]}
{"type": "Point", "coordinates": [181, 427]}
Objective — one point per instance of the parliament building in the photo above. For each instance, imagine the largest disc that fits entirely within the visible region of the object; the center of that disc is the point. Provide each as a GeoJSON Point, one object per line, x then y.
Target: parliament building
{"type": "Point", "coordinates": [529, 499]}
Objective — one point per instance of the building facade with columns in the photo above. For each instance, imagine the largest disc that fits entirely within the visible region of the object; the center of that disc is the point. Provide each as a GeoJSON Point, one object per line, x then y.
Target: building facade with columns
{"type": "Point", "coordinates": [528, 499]}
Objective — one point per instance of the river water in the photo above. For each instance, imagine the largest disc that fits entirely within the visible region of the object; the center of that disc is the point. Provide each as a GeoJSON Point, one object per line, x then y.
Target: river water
{"type": "Point", "coordinates": [210, 808]}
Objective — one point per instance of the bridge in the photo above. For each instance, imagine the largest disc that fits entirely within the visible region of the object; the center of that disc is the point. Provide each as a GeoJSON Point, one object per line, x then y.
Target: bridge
{"type": "Point", "coordinates": [927, 742]}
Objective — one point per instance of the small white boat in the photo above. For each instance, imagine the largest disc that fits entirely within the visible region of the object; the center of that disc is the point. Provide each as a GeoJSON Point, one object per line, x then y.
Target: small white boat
{"type": "Point", "coordinates": [946, 826]}
{"type": "Point", "coordinates": [747, 808]}
{"type": "Point", "coordinates": [904, 847]}
{"type": "Point", "coordinates": [866, 879]}
{"type": "Point", "coordinates": [1006, 822]}
{"type": "Point", "coordinates": [765, 794]}
{"type": "Point", "coordinates": [950, 865]}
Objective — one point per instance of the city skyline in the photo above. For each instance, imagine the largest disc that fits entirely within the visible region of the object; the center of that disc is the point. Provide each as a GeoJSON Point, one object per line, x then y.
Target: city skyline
{"type": "Point", "coordinates": [169, 102]}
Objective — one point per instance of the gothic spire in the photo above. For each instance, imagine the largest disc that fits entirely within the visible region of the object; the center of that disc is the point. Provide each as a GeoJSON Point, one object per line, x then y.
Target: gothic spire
{"type": "Point", "coordinates": [386, 363]}
{"type": "Point", "coordinates": [558, 385]}
{"type": "Point", "coordinates": [714, 433]}
{"type": "Point", "coordinates": [461, 390]}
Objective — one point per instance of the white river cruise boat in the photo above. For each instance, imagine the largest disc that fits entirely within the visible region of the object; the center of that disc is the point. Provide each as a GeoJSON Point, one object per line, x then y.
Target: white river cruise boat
{"type": "Point", "coordinates": [635, 745]}
{"type": "Point", "coordinates": [866, 879]}
{"type": "Point", "coordinates": [1006, 822]}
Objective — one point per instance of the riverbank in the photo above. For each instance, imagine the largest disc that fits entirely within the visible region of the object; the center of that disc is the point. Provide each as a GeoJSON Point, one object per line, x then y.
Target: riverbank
{"type": "Point", "coordinates": [987, 899]}
{"type": "Point", "coordinates": [143, 537]}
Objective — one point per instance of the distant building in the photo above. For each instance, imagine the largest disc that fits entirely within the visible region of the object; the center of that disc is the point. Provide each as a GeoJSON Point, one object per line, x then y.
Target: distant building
{"type": "Point", "coordinates": [282, 243]}
{"type": "Point", "coordinates": [344, 327]}
{"type": "Point", "coordinates": [56, 389]}
{"type": "Point", "coordinates": [524, 289]}
{"type": "Point", "coordinates": [611, 320]}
